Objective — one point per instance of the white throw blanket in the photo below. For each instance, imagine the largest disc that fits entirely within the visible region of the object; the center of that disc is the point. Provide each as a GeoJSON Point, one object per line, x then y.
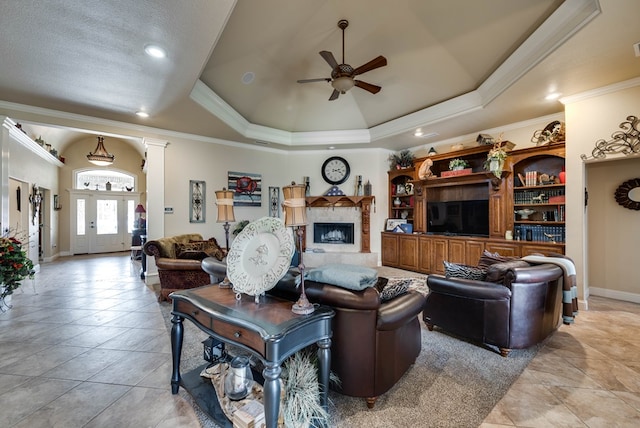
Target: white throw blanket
{"type": "Point", "coordinates": [569, 287]}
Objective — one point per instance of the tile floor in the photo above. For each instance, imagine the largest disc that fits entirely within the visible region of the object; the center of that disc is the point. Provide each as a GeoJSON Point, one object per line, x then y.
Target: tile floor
{"type": "Point", "coordinates": [85, 345]}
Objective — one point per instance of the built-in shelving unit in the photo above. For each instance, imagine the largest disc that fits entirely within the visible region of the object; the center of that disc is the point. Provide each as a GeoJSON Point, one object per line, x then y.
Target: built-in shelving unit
{"type": "Point", "coordinates": [425, 250]}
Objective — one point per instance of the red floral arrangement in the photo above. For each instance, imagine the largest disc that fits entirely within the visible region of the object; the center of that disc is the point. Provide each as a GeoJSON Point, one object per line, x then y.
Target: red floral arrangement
{"type": "Point", "coordinates": [14, 265]}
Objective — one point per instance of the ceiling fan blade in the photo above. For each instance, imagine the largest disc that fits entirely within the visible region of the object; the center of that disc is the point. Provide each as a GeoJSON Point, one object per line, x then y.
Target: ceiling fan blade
{"type": "Point", "coordinates": [325, 79]}
{"type": "Point", "coordinates": [328, 56]}
{"type": "Point", "coordinates": [380, 61]}
{"type": "Point", "coordinates": [334, 95]}
{"type": "Point", "coordinates": [374, 89]}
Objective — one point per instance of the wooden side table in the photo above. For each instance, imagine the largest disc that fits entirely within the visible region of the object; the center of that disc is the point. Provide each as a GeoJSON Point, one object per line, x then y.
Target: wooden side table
{"type": "Point", "coordinates": [269, 330]}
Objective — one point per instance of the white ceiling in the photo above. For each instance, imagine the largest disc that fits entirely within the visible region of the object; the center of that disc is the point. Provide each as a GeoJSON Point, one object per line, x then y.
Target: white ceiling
{"type": "Point", "coordinates": [454, 67]}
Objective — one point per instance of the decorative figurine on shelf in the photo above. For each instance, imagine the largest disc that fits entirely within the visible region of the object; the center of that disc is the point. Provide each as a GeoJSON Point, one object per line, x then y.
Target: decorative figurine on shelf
{"type": "Point", "coordinates": [359, 190]}
{"type": "Point", "coordinates": [425, 169]}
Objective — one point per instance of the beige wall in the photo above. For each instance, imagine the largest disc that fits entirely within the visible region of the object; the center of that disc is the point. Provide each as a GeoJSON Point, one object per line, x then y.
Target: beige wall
{"type": "Point", "coordinates": [127, 158]}
{"type": "Point", "coordinates": [589, 118]}
{"type": "Point", "coordinates": [191, 160]}
{"type": "Point", "coordinates": [613, 231]}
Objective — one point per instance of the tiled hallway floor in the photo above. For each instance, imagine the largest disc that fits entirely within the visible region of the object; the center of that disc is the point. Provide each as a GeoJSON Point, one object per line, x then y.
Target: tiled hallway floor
{"type": "Point", "coordinates": [87, 347]}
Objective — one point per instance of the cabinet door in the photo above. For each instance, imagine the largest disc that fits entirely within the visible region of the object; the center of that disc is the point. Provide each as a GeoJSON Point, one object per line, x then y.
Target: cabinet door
{"type": "Point", "coordinates": [504, 249]}
{"type": "Point", "coordinates": [408, 252]}
{"type": "Point", "coordinates": [456, 251]}
{"type": "Point", "coordinates": [390, 255]}
{"type": "Point", "coordinates": [439, 253]}
{"type": "Point", "coordinates": [497, 219]}
{"type": "Point", "coordinates": [527, 249]}
{"type": "Point", "coordinates": [424, 254]}
{"type": "Point", "coordinates": [473, 252]}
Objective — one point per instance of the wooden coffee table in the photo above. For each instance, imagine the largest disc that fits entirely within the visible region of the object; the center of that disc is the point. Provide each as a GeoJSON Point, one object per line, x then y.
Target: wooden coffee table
{"type": "Point", "coordinates": [268, 330]}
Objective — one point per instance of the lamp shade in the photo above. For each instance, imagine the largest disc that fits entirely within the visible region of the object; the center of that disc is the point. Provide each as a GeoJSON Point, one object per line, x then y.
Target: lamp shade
{"type": "Point", "coordinates": [294, 205]}
{"type": "Point", "coordinates": [140, 209]}
{"type": "Point", "coordinates": [224, 202]}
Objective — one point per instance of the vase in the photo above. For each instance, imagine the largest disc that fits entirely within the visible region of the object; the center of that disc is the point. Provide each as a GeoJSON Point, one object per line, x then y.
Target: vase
{"type": "Point", "coordinates": [562, 177]}
{"type": "Point", "coordinates": [397, 202]}
{"type": "Point", "coordinates": [457, 168]}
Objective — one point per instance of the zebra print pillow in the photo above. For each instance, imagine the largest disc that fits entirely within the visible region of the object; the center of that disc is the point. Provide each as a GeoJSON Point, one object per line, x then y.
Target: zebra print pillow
{"type": "Point", "coordinates": [456, 270]}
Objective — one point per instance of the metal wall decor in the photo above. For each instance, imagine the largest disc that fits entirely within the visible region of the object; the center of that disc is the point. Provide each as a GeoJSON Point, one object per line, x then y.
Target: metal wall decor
{"type": "Point", "coordinates": [197, 199]}
{"type": "Point", "coordinates": [623, 197]}
{"type": "Point", "coordinates": [626, 142]}
{"type": "Point", "coordinates": [274, 201]}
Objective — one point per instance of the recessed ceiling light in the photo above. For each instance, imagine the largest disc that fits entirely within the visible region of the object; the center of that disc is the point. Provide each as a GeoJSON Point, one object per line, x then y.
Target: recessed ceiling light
{"type": "Point", "coordinates": [331, 147]}
{"type": "Point", "coordinates": [142, 113]}
{"type": "Point", "coordinates": [418, 133]}
{"type": "Point", "coordinates": [248, 77]}
{"type": "Point", "coordinates": [552, 96]}
{"type": "Point", "coordinates": [155, 51]}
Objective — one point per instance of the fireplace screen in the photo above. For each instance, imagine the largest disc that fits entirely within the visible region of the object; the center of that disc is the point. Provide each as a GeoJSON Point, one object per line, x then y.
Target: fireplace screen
{"type": "Point", "coordinates": [333, 233]}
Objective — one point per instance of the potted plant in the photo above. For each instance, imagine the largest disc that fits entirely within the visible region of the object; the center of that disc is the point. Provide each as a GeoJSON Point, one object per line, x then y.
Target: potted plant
{"type": "Point", "coordinates": [14, 267]}
{"type": "Point", "coordinates": [401, 160]}
{"type": "Point", "coordinates": [495, 160]}
{"type": "Point", "coordinates": [456, 164]}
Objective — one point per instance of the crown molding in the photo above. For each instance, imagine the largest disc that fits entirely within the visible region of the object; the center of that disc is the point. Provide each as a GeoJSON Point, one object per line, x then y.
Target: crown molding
{"type": "Point", "coordinates": [598, 92]}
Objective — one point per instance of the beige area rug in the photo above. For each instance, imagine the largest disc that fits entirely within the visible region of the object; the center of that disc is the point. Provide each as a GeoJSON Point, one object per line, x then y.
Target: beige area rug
{"type": "Point", "coordinates": [453, 383]}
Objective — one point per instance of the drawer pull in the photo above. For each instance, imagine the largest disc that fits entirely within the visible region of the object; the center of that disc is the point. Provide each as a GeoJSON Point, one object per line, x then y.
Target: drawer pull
{"type": "Point", "coordinates": [194, 313]}
{"type": "Point", "coordinates": [236, 334]}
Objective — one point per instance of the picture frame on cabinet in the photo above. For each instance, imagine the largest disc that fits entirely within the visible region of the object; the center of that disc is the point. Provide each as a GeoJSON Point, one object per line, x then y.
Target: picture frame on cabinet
{"type": "Point", "coordinates": [393, 222]}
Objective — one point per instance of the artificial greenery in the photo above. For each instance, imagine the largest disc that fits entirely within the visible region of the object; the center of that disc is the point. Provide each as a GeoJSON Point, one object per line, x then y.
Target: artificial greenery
{"type": "Point", "coordinates": [404, 159]}
{"type": "Point", "coordinates": [241, 225]}
{"type": "Point", "coordinates": [458, 163]}
{"type": "Point", "coordinates": [497, 155]}
{"type": "Point", "coordinates": [14, 265]}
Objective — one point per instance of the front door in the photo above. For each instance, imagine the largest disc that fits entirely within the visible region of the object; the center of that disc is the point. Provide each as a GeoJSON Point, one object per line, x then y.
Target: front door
{"type": "Point", "coordinates": [101, 223]}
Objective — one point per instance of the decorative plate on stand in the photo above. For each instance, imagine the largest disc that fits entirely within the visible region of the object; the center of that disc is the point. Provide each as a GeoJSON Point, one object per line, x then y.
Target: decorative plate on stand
{"type": "Point", "coordinates": [260, 256]}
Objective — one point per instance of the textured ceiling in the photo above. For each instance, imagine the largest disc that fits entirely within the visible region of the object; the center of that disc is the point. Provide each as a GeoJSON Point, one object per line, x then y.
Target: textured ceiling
{"type": "Point", "coordinates": [454, 67]}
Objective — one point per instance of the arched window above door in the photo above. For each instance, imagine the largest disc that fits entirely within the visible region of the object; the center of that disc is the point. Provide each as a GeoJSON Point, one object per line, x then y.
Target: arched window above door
{"type": "Point", "coordinates": [97, 179]}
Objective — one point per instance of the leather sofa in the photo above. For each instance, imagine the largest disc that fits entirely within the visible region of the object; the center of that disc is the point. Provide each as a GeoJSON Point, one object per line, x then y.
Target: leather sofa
{"type": "Point", "coordinates": [374, 343]}
{"type": "Point", "coordinates": [520, 311]}
{"type": "Point", "coordinates": [177, 273]}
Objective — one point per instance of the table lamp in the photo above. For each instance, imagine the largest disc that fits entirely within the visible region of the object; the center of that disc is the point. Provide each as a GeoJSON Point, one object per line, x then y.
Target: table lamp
{"type": "Point", "coordinates": [295, 216]}
{"type": "Point", "coordinates": [224, 202]}
{"type": "Point", "coordinates": [140, 221]}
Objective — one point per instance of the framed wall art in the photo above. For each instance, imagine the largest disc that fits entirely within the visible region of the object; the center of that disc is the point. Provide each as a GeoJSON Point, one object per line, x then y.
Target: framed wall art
{"type": "Point", "coordinates": [246, 188]}
{"type": "Point", "coordinates": [274, 201]}
{"type": "Point", "coordinates": [197, 201]}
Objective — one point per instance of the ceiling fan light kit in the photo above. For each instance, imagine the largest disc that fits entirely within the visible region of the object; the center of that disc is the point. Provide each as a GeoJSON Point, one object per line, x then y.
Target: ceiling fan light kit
{"type": "Point", "coordinates": [342, 75]}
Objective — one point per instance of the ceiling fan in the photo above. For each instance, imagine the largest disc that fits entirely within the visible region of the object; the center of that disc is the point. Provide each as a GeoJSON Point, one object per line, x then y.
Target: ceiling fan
{"type": "Point", "coordinates": [342, 75]}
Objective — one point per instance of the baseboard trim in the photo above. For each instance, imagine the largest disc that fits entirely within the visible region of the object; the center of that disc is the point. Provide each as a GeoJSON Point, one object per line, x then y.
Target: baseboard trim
{"type": "Point", "coordinates": [614, 294]}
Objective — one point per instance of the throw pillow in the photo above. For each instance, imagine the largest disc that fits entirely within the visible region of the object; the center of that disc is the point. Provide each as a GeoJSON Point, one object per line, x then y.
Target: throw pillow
{"type": "Point", "coordinates": [456, 270]}
{"type": "Point", "coordinates": [394, 288]}
{"type": "Point", "coordinates": [487, 259]}
{"type": "Point", "coordinates": [210, 248]}
{"type": "Point", "coordinates": [497, 271]}
{"type": "Point", "coordinates": [189, 251]}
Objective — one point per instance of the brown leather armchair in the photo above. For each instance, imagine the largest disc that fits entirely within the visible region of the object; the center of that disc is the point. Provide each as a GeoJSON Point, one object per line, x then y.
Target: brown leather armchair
{"type": "Point", "coordinates": [373, 343]}
{"type": "Point", "coordinates": [519, 312]}
{"type": "Point", "coordinates": [176, 273]}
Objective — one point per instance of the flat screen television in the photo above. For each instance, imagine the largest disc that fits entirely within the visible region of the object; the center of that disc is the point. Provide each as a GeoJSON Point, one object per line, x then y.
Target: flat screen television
{"type": "Point", "coordinates": [464, 218]}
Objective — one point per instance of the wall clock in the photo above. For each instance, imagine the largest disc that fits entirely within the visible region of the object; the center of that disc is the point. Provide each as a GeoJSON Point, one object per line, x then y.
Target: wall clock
{"type": "Point", "coordinates": [335, 170]}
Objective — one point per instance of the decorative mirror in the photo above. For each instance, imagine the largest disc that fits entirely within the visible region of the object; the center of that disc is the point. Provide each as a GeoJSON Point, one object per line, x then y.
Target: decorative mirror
{"type": "Point", "coordinates": [628, 194]}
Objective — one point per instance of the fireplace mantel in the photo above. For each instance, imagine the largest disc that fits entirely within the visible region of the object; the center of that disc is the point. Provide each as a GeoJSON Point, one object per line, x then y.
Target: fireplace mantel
{"type": "Point", "coordinates": [362, 202]}
{"type": "Point", "coordinates": [339, 201]}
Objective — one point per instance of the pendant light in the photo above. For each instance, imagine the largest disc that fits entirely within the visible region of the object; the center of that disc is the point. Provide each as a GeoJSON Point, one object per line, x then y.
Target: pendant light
{"type": "Point", "coordinates": [100, 156]}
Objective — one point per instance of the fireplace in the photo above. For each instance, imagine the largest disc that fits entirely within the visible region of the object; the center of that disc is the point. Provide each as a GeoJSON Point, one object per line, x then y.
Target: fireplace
{"type": "Point", "coordinates": [333, 233]}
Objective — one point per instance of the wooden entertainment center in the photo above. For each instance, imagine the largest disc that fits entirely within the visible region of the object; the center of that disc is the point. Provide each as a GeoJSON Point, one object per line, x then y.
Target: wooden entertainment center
{"type": "Point", "coordinates": [533, 211]}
